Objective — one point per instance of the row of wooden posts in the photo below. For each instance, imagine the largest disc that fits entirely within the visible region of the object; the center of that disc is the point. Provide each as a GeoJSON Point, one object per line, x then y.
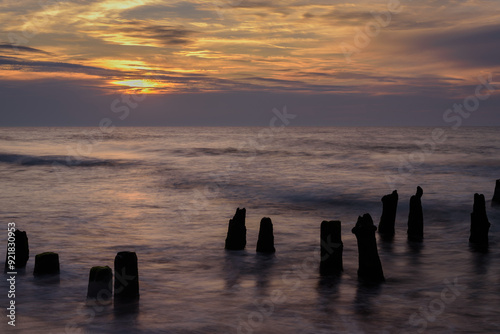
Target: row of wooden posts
{"type": "Point", "coordinates": [370, 268]}
{"type": "Point", "coordinates": [126, 278]}
{"type": "Point", "coordinates": [100, 287]}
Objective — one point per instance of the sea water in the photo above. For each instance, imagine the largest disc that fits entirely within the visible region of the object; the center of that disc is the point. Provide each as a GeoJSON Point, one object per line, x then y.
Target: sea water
{"type": "Point", "coordinates": [168, 194]}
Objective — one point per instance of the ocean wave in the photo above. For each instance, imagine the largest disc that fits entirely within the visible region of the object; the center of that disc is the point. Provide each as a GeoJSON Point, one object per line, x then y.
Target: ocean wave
{"type": "Point", "coordinates": [33, 160]}
{"type": "Point", "coordinates": [206, 151]}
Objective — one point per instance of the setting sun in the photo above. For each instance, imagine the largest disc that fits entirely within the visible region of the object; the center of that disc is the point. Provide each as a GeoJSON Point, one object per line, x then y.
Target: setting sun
{"type": "Point", "coordinates": [142, 86]}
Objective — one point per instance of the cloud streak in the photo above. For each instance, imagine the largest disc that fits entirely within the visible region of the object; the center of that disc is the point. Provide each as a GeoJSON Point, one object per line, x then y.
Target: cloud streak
{"type": "Point", "coordinates": [17, 48]}
{"type": "Point", "coordinates": [165, 35]}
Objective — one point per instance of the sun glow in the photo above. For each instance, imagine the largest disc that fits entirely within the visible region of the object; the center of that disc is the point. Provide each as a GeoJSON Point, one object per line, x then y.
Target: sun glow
{"type": "Point", "coordinates": [143, 86]}
{"type": "Point", "coordinates": [137, 83]}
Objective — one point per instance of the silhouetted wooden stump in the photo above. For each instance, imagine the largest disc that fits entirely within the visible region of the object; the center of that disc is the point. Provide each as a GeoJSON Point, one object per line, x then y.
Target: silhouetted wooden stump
{"type": "Point", "coordinates": [237, 232]}
{"type": "Point", "coordinates": [265, 243]}
{"type": "Point", "coordinates": [388, 218]}
{"type": "Point", "coordinates": [331, 248]}
{"type": "Point", "coordinates": [416, 217]}
{"type": "Point", "coordinates": [21, 252]}
{"type": "Point", "coordinates": [100, 283]}
{"type": "Point", "coordinates": [496, 196]}
{"type": "Point", "coordinates": [370, 267]}
{"type": "Point", "coordinates": [46, 264]}
{"type": "Point", "coordinates": [126, 276]}
{"type": "Point", "coordinates": [479, 224]}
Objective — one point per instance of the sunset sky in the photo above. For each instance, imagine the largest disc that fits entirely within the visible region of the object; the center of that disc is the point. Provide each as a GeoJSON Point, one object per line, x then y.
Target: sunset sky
{"type": "Point", "coordinates": [231, 62]}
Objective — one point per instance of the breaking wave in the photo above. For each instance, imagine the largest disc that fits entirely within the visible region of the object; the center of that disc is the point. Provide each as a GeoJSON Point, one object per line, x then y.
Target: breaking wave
{"type": "Point", "coordinates": [32, 160]}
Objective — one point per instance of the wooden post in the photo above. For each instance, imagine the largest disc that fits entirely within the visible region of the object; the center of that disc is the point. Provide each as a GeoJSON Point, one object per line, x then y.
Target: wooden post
{"type": "Point", "coordinates": [126, 276]}
{"type": "Point", "coordinates": [416, 217]}
{"type": "Point", "coordinates": [479, 225]}
{"type": "Point", "coordinates": [46, 264]}
{"type": "Point", "coordinates": [331, 248]}
{"type": "Point", "coordinates": [265, 244]}
{"type": "Point", "coordinates": [496, 196]}
{"type": "Point", "coordinates": [370, 267]}
{"type": "Point", "coordinates": [388, 218]}
{"type": "Point", "coordinates": [100, 284]}
{"type": "Point", "coordinates": [20, 252]}
{"type": "Point", "coordinates": [237, 232]}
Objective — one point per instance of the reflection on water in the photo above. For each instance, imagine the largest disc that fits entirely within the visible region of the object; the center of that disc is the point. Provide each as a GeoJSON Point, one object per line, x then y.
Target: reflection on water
{"type": "Point", "coordinates": [264, 265]}
{"type": "Point", "coordinates": [328, 293]}
{"type": "Point", "coordinates": [365, 295]}
{"type": "Point", "coordinates": [386, 244]}
{"type": "Point", "coordinates": [126, 311]}
{"type": "Point", "coordinates": [234, 266]}
{"type": "Point", "coordinates": [480, 261]}
{"type": "Point", "coordinates": [52, 281]}
{"type": "Point", "coordinates": [415, 247]}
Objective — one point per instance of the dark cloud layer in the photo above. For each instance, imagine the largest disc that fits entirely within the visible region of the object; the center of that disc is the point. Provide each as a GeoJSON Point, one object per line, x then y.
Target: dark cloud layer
{"type": "Point", "coordinates": [12, 63]}
{"type": "Point", "coordinates": [17, 48]}
{"type": "Point", "coordinates": [166, 35]}
{"type": "Point", "coordinates": [477, 47]}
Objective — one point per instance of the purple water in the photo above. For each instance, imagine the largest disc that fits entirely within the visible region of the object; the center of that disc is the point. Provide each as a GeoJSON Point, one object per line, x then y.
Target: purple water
{"type": "Point", "coordinates": [168, 193]}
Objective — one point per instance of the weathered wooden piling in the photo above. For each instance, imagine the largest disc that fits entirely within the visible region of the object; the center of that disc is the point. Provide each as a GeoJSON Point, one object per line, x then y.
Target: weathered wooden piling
{"type": "Point", "coordinates": [370, 267]}
{"type": "Point", "coordinates": [416, 217]}
{"type": "Point", "coordinates": [331, 248]}
{"type": "Point", "coordinates": [100, 284]}
{"type": "Point", "coordinates": [388, 218]}
{"type": "Point", "coordinates": [265, 243]}
{"type": "Point", "coordinates": [237, 232]}
{"type": "Point", "coordinates": [479, 224]}
{"type": "Point", "coordinates": [20, 253]}
{"type": "Point", "coordinates": [46, 264]}
{"type": "Point", "coordinates": [496, 196]}
{"type": "Point", "coordinates": [126, 276]}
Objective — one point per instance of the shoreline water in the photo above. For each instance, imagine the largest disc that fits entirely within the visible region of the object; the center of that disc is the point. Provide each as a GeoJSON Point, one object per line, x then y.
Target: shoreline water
{"type": "Point", "coordinates": [138, 202]}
